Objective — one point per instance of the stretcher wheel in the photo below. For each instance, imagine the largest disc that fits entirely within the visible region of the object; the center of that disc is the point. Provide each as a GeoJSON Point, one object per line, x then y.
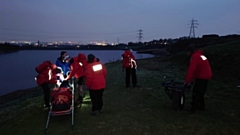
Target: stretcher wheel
{"type": "Point", "coordinates": [178, 99]}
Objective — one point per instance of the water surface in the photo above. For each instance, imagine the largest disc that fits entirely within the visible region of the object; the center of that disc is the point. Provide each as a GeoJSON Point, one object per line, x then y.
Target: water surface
{"type": "Point", "coordinates": [17, 70]}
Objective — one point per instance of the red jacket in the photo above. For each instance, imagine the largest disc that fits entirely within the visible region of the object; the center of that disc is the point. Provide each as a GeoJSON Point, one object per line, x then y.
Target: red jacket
{"type": "Point", "coordinates": [78, 66]}
{"type": "Point", "coordinates": [128, 60]}
{"type": "Point", "coordinates": [46, 73]}
{"type": "Point", "coordinates": [199, 67]}
{"type": "Point", "coordinates": [96, 76]}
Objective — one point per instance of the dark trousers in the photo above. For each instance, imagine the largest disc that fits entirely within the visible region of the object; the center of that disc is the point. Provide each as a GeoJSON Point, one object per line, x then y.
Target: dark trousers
{"type": "Point", "coordinates": [46, 92]}
{"type": "Point", "coordinates": [198, 93]}
{"type": "Point", "coordinates": [96, 97]}
{"type": "Point", "coordinates": [131, 73]}
{"type": "Point", "coordinates": [78, 82]}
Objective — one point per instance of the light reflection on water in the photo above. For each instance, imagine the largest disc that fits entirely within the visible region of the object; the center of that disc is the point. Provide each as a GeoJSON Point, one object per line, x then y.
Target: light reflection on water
{"type": "Point", "coordinates": [17, 70]}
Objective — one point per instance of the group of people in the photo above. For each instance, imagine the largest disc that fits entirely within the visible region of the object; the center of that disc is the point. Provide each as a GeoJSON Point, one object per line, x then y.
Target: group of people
{"type": "Point", "coordinates": [91, 72]}
{"type": "Point", "coordinates": [84, 70]}
{"type": "Point", "coordinates": [199, 73]}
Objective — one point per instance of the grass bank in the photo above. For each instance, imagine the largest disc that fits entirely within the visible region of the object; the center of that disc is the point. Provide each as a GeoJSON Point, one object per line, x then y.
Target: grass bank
{"type": "Point", "coordinates": [146, 110]}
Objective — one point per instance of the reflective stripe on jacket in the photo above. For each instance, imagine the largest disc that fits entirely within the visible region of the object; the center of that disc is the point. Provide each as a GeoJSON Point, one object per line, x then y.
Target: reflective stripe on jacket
{"type": "Point", "coordinates": [48, 75]}
{"type": "Point", "coordinates": [199, 67]}
{"type": "Point", "coordinates": [78, 66]}
{"type": "Point", "coordinates": [45, 73]}
{"type": "Point", "coordinates": [128, 60]}
{"type": "Point", "coordinates": [96, 76]}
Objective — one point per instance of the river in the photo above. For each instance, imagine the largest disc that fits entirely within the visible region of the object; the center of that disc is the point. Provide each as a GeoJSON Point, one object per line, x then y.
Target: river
{"type": "Point", "coordinates": [17, 70]}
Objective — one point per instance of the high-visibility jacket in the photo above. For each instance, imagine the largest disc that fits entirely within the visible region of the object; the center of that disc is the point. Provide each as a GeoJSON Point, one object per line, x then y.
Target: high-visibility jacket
{"type": "Point", "coordinates": [199, 67]}
{"type": "Point", "coordinates": [78, 66]}
{"type": "Point", "coordinates": [128, 60]}
{"type": "Point", "coordinates": [96, 76]}
{"type": "Point", "coordinates": [45, 73]}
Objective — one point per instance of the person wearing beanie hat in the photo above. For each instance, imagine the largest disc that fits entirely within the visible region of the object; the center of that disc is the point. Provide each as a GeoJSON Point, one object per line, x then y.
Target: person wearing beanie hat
{"type": "Point", "coordinates": [96, 82]}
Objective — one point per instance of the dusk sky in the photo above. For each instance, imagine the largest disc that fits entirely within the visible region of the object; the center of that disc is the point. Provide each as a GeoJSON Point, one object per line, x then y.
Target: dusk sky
{"type": "Point", "coordinates": [115, 20]}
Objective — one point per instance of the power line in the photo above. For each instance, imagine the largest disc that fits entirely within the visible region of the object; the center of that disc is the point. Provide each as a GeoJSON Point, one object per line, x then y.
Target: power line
{"type": "Point", "coordinates": [21, 34]}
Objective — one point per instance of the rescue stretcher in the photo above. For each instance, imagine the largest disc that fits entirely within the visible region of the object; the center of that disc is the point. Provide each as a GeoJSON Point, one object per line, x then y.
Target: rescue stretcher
{"type": "Point", "coordinates": [176, 92]}
{"type": "Point", "coordinates": [58, 95]}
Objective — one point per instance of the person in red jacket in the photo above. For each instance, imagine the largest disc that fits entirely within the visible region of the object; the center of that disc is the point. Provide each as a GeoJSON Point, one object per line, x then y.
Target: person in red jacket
{"type": "Point", "coordinates": [78, 68]}
{"type": "Point", "coordinates": [46, 75]}
{"type": "Point", "coordinates": [129, 64]}
{"type": "Point", "coordinates": [96, 82]}
{"type": "Point", "coordinates": [200, 72]}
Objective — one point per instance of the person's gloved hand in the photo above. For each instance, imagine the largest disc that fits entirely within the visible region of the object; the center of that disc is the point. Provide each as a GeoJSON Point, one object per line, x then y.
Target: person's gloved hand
{"type": "Point", "coordinates": [60, 77]}
{"type": "Point", "coordinates": [58, 83]}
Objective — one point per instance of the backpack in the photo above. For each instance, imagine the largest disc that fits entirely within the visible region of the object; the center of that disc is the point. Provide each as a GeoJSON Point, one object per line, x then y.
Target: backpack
{"type": "Point", "coordinates": [128, 60]}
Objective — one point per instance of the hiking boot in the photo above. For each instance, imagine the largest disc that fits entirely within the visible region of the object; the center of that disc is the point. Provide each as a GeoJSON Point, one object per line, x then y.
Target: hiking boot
{"type": "Point", "coordinates": [94, 113]}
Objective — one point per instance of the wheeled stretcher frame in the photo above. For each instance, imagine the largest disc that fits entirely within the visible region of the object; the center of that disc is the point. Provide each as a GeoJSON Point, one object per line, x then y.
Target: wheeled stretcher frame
{"type": "Point", "coordinates": [175, 91]}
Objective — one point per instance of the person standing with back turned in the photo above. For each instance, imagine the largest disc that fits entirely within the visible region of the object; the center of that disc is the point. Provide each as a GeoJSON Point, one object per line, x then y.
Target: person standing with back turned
{"type": "Point", "coordinates": [96, 82]}
{"type": "Point", "coordinates": [200, 72]}
{"type": "Point", "coordinates": [129, 64]}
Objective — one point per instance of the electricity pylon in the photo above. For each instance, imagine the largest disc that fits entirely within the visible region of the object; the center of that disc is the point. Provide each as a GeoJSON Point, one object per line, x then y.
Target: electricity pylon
{"type": "Point", "coordinates": [139, 35]}
{"type": "Point", "coordinates": [192, 31]}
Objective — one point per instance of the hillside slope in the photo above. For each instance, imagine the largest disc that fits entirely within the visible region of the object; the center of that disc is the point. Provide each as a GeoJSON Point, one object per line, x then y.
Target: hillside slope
{"type": "Point", "coordinates": [146, 110]}
{"type": "Point", "coordinates": [224, 59]}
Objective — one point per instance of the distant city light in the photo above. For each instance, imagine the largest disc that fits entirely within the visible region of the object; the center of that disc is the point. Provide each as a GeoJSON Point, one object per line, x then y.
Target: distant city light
{"type": "Point", "coordinates": [59, 43]}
